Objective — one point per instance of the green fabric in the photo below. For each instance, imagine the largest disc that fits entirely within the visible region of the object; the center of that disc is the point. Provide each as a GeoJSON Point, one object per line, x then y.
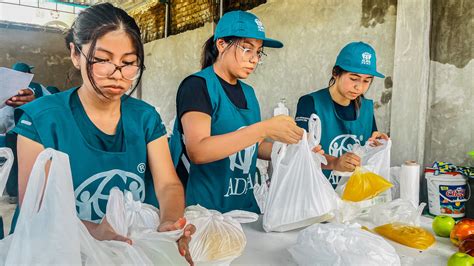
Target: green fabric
{"type": "Point", "coordinates": [95, 172]}
{"type": "Point", "coordinates": [227, 184]}
{"type": "Point", "coordinates": [339, 135]}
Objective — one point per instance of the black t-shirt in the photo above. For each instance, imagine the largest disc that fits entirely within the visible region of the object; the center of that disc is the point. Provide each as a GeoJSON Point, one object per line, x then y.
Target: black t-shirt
{"type": "Point", "coordinates": [306, 108]}
{"type": "Point", "coordinates": [193, 96]}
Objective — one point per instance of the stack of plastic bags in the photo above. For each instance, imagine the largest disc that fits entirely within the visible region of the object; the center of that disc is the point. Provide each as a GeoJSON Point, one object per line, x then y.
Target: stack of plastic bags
{"type": "Point", "coordinates": [300, 194]}
{"type": "Point", "coordinates": [219, 238]}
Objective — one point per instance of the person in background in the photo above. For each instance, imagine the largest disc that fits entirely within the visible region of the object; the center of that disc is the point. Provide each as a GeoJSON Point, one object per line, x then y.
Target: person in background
{"type": "Point", "coordinates": [347, 117]}
{"type": "Point", "coordinates": [34, 91]}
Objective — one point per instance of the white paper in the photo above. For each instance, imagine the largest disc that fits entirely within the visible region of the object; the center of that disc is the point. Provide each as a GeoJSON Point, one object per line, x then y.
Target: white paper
{"type": "Point", "coordinates": [11, 82]}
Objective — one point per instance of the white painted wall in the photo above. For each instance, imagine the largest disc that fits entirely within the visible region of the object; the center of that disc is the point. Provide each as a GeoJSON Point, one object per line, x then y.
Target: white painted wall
{"type": "Point", "coordinates": [313, 33]}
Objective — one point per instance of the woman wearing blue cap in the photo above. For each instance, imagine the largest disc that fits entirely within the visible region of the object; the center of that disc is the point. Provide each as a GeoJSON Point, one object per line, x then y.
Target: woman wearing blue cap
{"type": "Point", "coordinates": [112, 139]}
{"type": "Point", "coordinates": [218, 133]}
{"type": "Point", "coordinates": [347, 117]}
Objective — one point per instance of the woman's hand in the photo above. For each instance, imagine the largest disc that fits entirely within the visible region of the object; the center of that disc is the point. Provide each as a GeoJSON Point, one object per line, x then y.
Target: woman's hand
{"type": "Point", "coordinates": [318, 149]}
{"type": "Point", "coordinates": [347, 162]}
{"type": "Point", "coordinates": [183, 242]}
{"type": "Point", "coordinates": [104, 231]}
{"type": "Point", "coordinates": [24, 96]}
{"type": "Point", "coordinates": [282, 128]}
{"type": "Point", "coordinates": [377, 136]}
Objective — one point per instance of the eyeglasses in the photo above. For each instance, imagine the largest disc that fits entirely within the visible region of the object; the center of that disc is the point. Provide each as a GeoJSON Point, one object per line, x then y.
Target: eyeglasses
{"type": "Point", "coordinates": [249, 54]}
{"type": "Point", "coordinates": [105, 69]}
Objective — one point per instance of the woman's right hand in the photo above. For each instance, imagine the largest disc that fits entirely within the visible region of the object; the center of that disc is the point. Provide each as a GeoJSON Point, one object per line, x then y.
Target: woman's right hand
{"type": "Point", "coordinates": [347, 162]}
{"type": "Point", "coordinates": [282, 128]}
{"type": "Point", "coordinates": [104, 231]}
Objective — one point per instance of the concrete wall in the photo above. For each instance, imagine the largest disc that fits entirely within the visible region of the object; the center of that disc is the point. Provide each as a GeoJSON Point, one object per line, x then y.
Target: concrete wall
{"type": "Point", "coordinates": [44, 50]}
{"type": "Point", "coordinates": [451, 112]}
{"type": "Point", "coordinates": [313, 33]}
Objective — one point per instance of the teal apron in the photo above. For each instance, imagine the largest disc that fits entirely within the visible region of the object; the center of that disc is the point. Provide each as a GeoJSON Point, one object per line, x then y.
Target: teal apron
{"type": "Point", "coordinates": [227, 184]}
{"type": "Point", "coordinates": [95, 172]}
{"type": "Point", "coordinates": [338, 136]}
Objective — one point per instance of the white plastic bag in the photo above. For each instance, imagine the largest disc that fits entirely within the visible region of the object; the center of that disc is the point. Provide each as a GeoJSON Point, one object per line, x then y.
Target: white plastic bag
{"type": "Point", "coordinates": [139, 222]}
{"type": "Point", "coordinates": [219, 238]}
{"type": "Point", "coordinates": [399, 210]}
{"type": "Point", "coordinates": [395, 179]}
{"type": "Point", "coordinates": [300, 194]}
{"type": "Point", "coordinates": [375, 160]}
{"type": "Point", "coordinates": [5, 168]}
{"type": "Point", "coordinates": [128, 216]}
{"type": "Point", "coordinates": [338, 244]}
{"type": "Point", "coordinates": [261, 184]}
{"type": "Point", "coordinates": [7, 121]}
{"type": "Point", "coordinates": [46, 231]}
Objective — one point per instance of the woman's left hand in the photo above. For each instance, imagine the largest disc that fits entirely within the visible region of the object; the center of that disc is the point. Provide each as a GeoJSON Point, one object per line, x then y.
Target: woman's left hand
{"type": "Point", "coordinates": [183, 242]}
{"type": "Point", "coordinates": [376, 136]}
{"type": "Point", "coordinates": [318, 149]}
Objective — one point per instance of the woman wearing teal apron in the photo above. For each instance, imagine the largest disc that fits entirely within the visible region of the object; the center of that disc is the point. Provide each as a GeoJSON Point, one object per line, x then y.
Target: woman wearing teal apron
{"type": "Point", "coordinates": [347, 117]}
{"type": "Point", "coordinates": [112, 139]}
{"type": "Point", "coordinates": [218, 133]}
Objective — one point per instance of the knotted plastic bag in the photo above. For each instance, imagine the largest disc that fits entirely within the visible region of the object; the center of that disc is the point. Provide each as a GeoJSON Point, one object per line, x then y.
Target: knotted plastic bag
{"type": "Point", "coordinates": [299, 194]}
{"type": "Point", "coordinates": [128, 216]}
{"type": "Point", "coordinates": [219, 238]}
{"type": "Point", "coordinates": [139, 221]}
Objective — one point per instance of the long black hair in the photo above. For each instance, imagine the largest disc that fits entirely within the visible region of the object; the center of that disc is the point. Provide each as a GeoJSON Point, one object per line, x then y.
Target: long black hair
{"type": "Point", "coordinates": [209, 50]}
{"type": "Point", "coordinates": [96, 21]}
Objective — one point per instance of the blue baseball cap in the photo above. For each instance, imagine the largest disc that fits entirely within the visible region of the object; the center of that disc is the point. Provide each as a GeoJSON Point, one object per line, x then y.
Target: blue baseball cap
{"type": "Point", "coordinates": [23, 67]}
{"type": "Point", "coordinates": [245, 25]}
{"type": "Point", "coordinates": [358, 57]}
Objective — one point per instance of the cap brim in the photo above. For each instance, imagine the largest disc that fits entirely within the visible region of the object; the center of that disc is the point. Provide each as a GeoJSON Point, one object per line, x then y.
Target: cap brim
{"type": "Point", "coordinates": [267, 42]}
{"type": "Point", "coordinates": [362, 71]}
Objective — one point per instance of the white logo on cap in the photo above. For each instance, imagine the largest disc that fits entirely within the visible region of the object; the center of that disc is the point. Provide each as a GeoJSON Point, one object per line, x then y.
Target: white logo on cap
{"type": "Point", "coordinates": [259, 25]}
{"type": "Point", "coordinates": [366, 58]}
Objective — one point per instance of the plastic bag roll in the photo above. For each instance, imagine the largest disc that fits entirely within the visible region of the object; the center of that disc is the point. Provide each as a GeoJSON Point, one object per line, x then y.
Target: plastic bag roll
{"type": "Point", "coordinates": [410, 182]}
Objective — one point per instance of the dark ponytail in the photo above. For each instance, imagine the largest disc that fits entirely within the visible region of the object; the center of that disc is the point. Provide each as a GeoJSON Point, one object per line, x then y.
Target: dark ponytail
{"type": "Point", "coordinates": [209, 53]}
{"type": "Point", "coordinates": [337, 71]}
{"type": "Point", "coordinates": [209, 50]}
{"type": "Point", "coordinates": [96, 21]}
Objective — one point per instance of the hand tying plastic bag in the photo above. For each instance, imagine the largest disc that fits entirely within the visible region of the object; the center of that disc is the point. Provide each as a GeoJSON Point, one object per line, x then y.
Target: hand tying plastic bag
{"type": "Point", "coordinates": [299, 194]}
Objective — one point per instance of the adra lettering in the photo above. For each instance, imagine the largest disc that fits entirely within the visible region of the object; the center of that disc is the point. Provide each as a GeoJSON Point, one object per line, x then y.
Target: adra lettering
{"type": "Point", "coordinates": [239, 186]}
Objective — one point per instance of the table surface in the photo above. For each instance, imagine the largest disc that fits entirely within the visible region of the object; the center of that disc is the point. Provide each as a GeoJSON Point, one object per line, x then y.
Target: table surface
{"type": "Point", "coordinates": [271, 248]}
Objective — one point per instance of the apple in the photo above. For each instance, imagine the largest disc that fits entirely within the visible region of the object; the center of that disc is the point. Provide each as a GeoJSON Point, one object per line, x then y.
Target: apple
{"type": "Point", "coordinates": [467, 245]}
{"type": "Point", "coordinates": [460, 259]}
{"type": "Point", "coordinates": [442, 225]}
{"type": "Point", "coordinates": [461, 230]}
